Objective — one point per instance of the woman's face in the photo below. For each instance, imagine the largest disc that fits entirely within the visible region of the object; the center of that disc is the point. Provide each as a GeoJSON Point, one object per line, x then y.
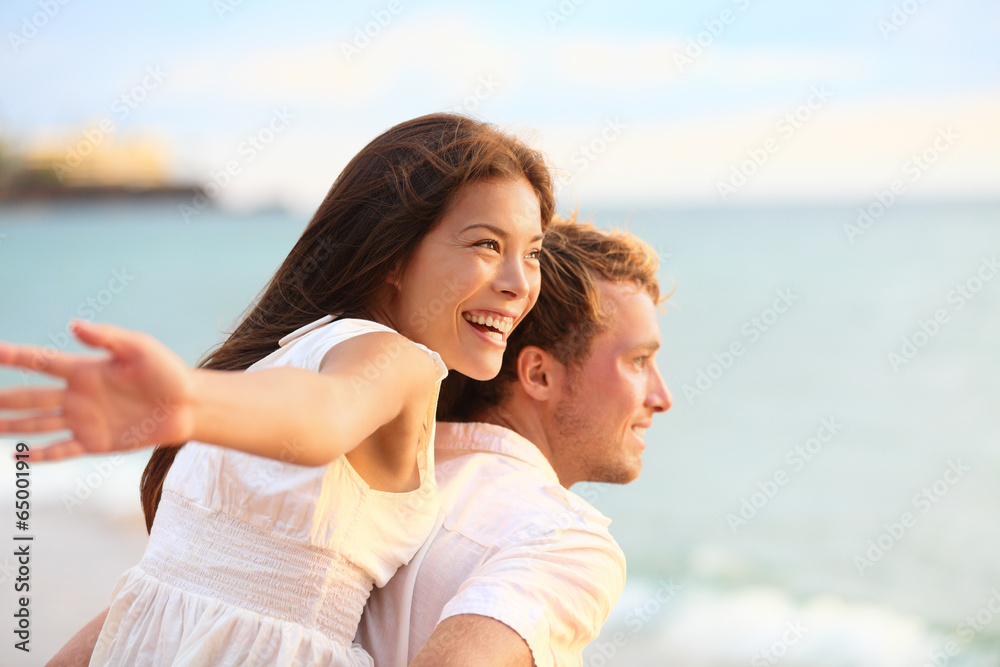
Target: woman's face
{"type": "Point", "coordinates": [473, 278]}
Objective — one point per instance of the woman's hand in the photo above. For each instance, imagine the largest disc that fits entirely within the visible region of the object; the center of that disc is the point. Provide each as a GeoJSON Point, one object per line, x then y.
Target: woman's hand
{"type": "Point", "coordinates": [138, 395]}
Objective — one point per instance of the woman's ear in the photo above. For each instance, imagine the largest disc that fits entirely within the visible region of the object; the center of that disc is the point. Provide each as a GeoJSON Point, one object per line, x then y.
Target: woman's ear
{"type": "Point", "coordinates": [539, 374]}
{"type": "Point", "coordinates": [395, 277]}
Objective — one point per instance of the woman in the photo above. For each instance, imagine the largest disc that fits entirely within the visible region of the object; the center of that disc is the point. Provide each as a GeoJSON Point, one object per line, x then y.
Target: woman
{"type": "Point", "coordinates": [428, 240]}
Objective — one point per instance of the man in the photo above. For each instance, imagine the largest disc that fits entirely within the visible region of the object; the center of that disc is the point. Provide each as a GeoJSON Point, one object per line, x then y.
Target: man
{"type": "Point", "coordinates": [521, 571]}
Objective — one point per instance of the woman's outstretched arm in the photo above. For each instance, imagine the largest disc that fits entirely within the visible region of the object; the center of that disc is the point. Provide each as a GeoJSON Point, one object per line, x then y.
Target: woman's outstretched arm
{"type": "Point", "coordinates": [140, 393]}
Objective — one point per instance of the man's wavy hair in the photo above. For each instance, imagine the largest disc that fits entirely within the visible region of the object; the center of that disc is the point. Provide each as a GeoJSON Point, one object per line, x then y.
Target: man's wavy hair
{"type": "Point", "coordinates": [569, 313]}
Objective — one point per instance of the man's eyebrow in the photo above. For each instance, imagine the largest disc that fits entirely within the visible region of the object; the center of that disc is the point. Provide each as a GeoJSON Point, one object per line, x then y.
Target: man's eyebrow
{"type": "Point", "coordinates": [651, 346]}
{"type": "Point", "coordinates": [502, 233]}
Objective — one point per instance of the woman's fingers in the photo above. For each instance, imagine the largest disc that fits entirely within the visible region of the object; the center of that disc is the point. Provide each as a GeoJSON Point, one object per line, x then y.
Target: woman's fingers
{"type": "Point", "coordinates": [57, 451]}
{"type": "Point", "coordinates": [37, 359]}
{"type": "Point", "coordinates": [122, 343]}
{"type": "Point", "coordinates": [40, 398]}
{"type": "Point", "coordinates": [45, 423]}
{"type": "Point", "coordinates": [118, 341]}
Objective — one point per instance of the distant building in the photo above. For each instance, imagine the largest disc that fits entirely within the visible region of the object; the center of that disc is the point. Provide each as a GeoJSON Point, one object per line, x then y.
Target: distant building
{"type": "Point", "coordinates": [136, 162]}
{"type": "Point", "coordinates": [96, 166]}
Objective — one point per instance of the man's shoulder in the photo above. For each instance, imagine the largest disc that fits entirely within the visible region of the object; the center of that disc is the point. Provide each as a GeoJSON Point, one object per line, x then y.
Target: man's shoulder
{"type": "Point", "coordinates": [540, 558]}
{"type": "Point", "coordinates": [502, 502]}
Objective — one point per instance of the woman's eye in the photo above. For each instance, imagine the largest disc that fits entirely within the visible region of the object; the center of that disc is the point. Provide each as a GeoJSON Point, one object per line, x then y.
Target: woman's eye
{"type": "Point", "coordinates": [489, 243]}
{"type": "Point", "coordinates": [535, 254]}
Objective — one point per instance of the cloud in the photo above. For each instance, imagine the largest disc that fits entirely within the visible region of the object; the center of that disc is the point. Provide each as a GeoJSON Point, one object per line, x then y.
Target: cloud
{"type": "Point", "coordinates": [685, 130]}
{"type": "Point", "coordinates": [604, 62]}
{"type": "Point", "coordinates": [446, 57]}
{"type": "Point", "coordinates": [752, 67]}
{"type": "Point", "coordinates": [843, 151]}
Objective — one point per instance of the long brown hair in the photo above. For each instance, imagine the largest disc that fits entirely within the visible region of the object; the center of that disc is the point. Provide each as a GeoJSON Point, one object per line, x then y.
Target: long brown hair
{"type": "Point", "coordinates": [568, 314]}
{"type": "Point", "coordinates": [380, 207]}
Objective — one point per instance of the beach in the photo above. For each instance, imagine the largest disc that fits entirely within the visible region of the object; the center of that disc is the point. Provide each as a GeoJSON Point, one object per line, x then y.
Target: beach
{"type": "Point", "coordinates": [85, 537]}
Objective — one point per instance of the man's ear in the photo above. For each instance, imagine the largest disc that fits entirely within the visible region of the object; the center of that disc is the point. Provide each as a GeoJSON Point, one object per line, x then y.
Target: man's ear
{"type": "Point", "coordinates": [539, 373]}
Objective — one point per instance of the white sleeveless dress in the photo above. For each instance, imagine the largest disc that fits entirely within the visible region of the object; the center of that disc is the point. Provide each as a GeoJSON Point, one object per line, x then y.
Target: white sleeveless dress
{"type": "Point", "coordinates": [252, 561]}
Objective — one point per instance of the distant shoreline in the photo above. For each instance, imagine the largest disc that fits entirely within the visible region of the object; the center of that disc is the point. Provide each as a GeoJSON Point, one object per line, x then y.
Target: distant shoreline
{"type": "Point", "coordinates": [45, 193]}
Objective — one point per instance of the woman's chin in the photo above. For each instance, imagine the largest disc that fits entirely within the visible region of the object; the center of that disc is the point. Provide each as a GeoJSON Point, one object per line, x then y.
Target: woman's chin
{"type": "Point", "coordinates": [483, 370]}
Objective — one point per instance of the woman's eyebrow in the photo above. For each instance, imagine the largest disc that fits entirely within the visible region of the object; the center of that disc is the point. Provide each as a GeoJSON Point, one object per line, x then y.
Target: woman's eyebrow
{"type": "Point", "coordinates": [502, 233]}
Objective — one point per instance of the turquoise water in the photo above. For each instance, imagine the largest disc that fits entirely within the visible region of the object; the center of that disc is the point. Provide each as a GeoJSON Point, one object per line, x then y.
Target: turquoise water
{"type": "Point", "coordinates": [821, 384]}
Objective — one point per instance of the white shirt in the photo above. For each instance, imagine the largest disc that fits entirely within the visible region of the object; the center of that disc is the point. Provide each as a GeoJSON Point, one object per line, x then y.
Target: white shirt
{"type": "Point", "coordinates": [510, 544]}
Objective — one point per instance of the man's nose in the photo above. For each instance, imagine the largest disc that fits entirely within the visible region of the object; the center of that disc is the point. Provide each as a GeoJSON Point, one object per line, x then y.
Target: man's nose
{"type": "Point", "coordinates": [659, 397]}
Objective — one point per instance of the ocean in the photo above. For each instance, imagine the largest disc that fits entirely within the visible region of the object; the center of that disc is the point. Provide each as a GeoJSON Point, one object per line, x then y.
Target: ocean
{"type": "Point", "coordinates": [823, 491]}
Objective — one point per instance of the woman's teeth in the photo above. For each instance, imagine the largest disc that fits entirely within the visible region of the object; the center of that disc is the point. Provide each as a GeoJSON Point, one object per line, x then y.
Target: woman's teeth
{"type": "Point", "coordinates": [501, 325]}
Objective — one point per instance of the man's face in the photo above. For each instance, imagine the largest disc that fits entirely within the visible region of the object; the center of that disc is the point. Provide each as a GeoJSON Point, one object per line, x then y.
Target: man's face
{"type": "Point", "coordinates": [607, 404]}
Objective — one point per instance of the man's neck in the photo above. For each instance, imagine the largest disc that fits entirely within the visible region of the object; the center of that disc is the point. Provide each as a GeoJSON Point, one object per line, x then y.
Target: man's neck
{"type": "Point", "coordinates": [527, 423]}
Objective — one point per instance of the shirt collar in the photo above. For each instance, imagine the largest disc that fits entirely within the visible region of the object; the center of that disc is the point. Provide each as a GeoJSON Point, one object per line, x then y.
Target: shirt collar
{"type": "Point", "coordinates": [473, 437]}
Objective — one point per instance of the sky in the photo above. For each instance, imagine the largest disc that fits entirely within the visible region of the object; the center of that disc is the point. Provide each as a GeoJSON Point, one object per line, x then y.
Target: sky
{"type": "Point", "coordinates": [724, 103]}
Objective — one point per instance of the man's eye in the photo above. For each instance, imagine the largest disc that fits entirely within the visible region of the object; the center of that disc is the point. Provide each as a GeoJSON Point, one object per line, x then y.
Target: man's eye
{"type": "Point", "coordinates": [640, 361]}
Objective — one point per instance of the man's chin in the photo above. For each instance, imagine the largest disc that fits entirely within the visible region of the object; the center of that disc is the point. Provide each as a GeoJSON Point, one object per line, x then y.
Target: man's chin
{"type": "Point", "coordinates": [633, 475]}
{"type": "Point", "coordinates": [631, 470]}
{"type": "Point", "coordinates": [624, 474]}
